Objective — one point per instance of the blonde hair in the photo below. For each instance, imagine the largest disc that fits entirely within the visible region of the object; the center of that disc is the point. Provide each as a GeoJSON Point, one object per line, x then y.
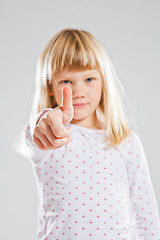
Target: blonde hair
{"type": "Point", "coordinates": [78, 50]}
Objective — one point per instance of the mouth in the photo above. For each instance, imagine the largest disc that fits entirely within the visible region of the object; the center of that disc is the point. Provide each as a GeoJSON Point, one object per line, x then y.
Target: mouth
{"type": "Point", "coordinates": [80, 104]}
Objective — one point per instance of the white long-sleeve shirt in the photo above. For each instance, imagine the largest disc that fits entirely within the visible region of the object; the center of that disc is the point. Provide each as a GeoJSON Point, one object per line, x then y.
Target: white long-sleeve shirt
{"type": "Point", "coordinates": [89, 193]}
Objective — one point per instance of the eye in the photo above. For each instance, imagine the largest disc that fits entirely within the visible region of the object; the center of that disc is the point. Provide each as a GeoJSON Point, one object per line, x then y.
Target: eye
{"type": "Point", "coordinates": [65, 81]}
{"type": "Point", "coordinates": [90, 79]}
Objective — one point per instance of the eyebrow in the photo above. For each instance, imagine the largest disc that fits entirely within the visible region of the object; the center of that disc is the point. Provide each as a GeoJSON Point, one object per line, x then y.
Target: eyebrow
{"type": "Point", "coordinates": [86, 75]}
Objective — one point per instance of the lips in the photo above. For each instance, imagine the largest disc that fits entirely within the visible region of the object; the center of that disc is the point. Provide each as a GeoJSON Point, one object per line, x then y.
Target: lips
{"type": "Point", "coordinates": [79, 104]}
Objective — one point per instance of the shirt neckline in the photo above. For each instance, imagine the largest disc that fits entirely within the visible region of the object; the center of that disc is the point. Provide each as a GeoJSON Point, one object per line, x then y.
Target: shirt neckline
{"type": "Point", "coordinates": [85, 128]}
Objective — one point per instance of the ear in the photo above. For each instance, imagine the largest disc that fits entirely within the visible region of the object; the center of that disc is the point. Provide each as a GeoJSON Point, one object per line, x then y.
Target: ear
{"type": "Point", "coordinates": [49, 88]}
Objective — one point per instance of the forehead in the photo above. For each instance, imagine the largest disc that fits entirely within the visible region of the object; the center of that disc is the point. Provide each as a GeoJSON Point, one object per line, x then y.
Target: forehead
{"type": "Point", "coordinates": [72, 74]}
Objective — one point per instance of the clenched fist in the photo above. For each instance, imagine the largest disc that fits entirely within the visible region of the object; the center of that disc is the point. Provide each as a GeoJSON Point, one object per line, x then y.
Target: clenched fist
{"type": "Point", "coordinates": [50, 132]}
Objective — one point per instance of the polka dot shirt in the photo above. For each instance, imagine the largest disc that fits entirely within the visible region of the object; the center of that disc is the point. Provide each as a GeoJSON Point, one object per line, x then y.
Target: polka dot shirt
{"type": "Point", "coordinates": [87, 192]}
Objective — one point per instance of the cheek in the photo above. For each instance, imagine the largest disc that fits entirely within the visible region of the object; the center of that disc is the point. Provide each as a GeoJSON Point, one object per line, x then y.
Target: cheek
{"type": "Point", "coordinates": [58, 96]}
{"type": "Point", "coordinates": [97, 93]}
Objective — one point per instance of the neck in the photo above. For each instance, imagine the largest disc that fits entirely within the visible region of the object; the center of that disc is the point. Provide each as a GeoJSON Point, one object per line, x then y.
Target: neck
{"type": "Point", "coordinates": [92, 123]}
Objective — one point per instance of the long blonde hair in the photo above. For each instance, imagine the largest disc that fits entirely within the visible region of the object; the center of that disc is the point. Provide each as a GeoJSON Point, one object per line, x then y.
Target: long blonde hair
{"type": "Point", "coordinates": [78, 50]}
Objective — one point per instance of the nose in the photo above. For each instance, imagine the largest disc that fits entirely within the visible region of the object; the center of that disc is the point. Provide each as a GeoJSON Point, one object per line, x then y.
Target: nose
{"type": "Point", "coordinates": [78, 90]}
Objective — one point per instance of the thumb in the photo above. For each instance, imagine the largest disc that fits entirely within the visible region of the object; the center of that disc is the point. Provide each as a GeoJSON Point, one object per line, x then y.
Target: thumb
{"type": "Point", "coordinates": [67, 106]}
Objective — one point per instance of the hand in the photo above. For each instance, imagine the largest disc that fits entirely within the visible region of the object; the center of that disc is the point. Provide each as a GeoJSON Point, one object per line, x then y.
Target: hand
{"type": "Point", "coordinates": [50, 132]}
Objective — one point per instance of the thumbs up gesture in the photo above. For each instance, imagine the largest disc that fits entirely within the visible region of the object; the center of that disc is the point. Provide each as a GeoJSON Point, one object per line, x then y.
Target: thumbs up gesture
{"type": "Point", "coordinates": [50, 132]}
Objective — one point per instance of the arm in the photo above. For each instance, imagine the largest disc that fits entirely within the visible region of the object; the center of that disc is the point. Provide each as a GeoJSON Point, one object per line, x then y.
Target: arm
{"type": "Point", "coordinates": [142, 194]}
{"type": "Point", "coordinates": [46, 130]}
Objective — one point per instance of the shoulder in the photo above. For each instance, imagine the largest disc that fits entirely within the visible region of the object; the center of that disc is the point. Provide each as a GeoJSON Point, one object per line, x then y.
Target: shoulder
{"type": "Point", "coordinates": [134, 139]}
{"type": "Point", "coordinates": [131, 145]}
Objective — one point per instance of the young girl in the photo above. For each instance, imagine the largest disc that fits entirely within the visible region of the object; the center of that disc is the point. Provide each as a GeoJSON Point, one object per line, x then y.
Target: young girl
{"type": "Point", "coordinates": [90, 167]}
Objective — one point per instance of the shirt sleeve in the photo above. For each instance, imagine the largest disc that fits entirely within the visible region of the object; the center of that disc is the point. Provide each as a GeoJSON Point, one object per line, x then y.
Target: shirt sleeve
{"type": "Point", "coordinates": [142, 195]}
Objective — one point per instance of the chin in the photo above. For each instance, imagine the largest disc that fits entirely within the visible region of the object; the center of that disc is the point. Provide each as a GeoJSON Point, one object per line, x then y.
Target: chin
{"type": "Point", "coordinates": [79, 118]}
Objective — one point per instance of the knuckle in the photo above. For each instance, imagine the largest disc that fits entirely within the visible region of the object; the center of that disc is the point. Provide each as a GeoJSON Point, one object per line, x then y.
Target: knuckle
{"type": "Point", "coordinates": [36, 129]}
{"type": "Point", "coordinates": [42, 127]}
{"type": "Point", "coordinates": [60, 142]}
{"type": "Point", "coordinates": [42, 123]}
{"type": "Point", "coordinates": [58, 133]}
{"type": "Point", "coordinates": [50, 116]}
{"type": "Point", "coordinates": [55, 143]}
{"type": "Point", "coordinates": [61, 132]}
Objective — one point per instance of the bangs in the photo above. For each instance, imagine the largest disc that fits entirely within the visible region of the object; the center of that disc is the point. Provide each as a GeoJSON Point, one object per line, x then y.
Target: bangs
{"type": "Point", "coordinates": [73, 51]}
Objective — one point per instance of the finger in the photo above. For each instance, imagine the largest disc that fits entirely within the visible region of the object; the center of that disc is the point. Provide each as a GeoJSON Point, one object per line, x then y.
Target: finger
{"type": "Point", "coordinates": [44, 140]}
{"type": "Point", "coordinates": [38, 142]}
{"type": "Point", "coordinates": [67, 98]}
{"type": "Point", "coordinates": [57, 126]}
{"type": "Point", "coordinates": [43, 143]}
{"type": "Point", "coordinates": [67, 105]}
{"type": "Point", "coordinates": [59, 142]}
{"type": "Point", "coordinates": [47, 131]}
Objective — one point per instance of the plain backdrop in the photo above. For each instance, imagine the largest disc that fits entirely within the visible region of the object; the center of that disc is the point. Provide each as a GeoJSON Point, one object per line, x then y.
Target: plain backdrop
{"type": "Point", "coordinates": [129, 31]}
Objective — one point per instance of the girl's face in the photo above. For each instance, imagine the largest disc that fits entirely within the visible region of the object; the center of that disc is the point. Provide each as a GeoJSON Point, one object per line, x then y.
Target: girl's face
{"type": "Point", "coordinates": [86, 94]}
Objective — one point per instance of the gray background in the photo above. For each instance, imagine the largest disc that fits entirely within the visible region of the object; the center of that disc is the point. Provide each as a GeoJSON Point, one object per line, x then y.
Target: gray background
{"type": "Point", "coordinates": [129, 30]}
